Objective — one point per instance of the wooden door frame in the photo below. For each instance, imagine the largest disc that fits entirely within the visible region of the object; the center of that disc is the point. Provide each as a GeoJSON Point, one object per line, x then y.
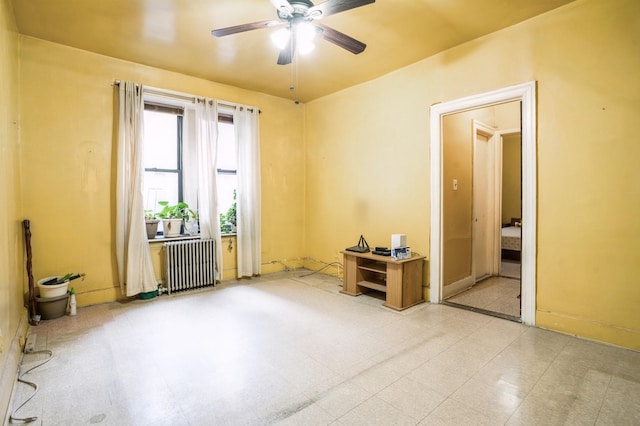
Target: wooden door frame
{"type": "Point", "coordinates": [526, 94]}
{"type": "Point", "coordinates": [500, 134]}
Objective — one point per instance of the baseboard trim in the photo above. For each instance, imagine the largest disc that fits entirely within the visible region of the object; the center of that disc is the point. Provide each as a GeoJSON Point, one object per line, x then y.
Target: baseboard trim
{"type": "Point", "coordinates": [9, 372]}
{"type": "Point", "coordinates": [456, 287]}
{"type": "Point", "coordinates": [589, 329]}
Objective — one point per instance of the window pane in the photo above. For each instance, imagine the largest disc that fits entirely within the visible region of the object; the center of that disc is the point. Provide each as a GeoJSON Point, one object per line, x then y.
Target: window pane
{"type": "Point", "coordinates": [159, 186]}
{"type": "Point", "coordinates": [226, 188]}
{"type": "Point", "coordinates": [160, 140]}
{"type": "Point", "coordinates": [226, 147]}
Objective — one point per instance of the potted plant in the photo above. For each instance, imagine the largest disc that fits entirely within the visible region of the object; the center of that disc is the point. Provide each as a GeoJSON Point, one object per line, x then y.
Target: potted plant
{"type": "Point", "coordinates": [192, 223]}
{"type": "Point", "coordinates": [228, 219]}
{"type": "Point", "coordinates": [173, 215]}
{"type": "Point", "coordinates": [151, 220]}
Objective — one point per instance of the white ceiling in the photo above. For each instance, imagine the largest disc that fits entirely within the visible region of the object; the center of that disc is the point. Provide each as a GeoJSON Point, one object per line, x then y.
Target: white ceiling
{"type": "Point", "coordinates": [176, 35]}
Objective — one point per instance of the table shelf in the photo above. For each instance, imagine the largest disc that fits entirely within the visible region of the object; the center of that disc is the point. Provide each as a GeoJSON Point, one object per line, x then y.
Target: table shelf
{"type": "Point", "coordinates": [373, 286]}
{"type": "Point", "coordinates": [380, 268]}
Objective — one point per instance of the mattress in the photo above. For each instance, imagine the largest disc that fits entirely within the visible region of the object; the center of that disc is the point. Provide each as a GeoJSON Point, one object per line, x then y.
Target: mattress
{"type": "Point", "coordinates": [511, 238]}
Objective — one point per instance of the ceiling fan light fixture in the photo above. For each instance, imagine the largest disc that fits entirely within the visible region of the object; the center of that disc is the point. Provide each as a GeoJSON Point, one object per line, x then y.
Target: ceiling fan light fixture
{"type": "Point", "coordinates": [281, 37]}
{"type": "Point", "coordinates": [305, 48]}
{"type": "Point", "coordinates": [305, 33]}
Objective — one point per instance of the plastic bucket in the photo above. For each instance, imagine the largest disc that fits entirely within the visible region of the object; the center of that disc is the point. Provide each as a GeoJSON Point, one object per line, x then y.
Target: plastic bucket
{"type": "Point", "coordinates": [52, 307]}
{"type": "Point", "coordinates": [54, 290]}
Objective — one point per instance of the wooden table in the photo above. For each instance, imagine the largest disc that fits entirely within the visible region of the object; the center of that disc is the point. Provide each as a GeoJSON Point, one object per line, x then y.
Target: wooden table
{"type": "Point", "coordinates": [400, 280]}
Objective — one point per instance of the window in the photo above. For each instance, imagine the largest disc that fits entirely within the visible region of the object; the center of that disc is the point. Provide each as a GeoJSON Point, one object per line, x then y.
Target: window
{"type": "Point", "coordinates": [163, 155]}
{"type": "Point", "coordinates": [169, 163]}
{"type": "Point", "coordinates": [227, 170]}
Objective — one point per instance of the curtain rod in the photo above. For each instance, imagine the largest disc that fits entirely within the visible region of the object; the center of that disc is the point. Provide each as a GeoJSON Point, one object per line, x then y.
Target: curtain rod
{"type": "Point", "coordinates": [186, 97]}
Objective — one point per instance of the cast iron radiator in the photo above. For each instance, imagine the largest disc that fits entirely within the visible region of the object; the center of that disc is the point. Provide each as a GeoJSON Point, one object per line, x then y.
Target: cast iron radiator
{"type": "Point", "coordinates": [189, 264]}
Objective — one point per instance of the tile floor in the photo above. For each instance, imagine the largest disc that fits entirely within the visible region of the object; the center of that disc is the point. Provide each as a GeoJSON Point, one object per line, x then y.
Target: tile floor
{"type": "Point", "coordinates": [495, 294]}
{"type": "Point", "coordinates": [499, 295]}
{"type": "Point", "coordinates": [285, 349]}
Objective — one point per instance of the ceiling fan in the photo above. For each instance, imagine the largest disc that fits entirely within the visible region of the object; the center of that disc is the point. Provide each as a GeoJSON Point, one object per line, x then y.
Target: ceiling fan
{"type": "Point", "coordinates": [296, 17]}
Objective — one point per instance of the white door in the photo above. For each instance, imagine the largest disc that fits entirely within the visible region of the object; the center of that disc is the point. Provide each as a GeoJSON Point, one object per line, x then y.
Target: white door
{"type": "Point", "coordinates": [483, 202]}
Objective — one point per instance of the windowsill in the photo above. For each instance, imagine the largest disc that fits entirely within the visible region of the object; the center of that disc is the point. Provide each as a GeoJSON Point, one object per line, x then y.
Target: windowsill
{"type": "Point", "coordinates": [183, 237]}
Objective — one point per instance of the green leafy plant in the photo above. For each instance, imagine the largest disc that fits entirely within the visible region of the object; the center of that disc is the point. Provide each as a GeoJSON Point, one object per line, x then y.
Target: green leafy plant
{"type": "Point", "coordinates": [150, 215]}
{"type": "Point", "coordinates": [228, 219]}
{"type": "Point", "coordinates": [180, 210]}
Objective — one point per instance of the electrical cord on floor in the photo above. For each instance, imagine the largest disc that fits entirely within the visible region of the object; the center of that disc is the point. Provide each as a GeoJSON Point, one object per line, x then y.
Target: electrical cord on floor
{"type": "Point", "coordinates": [13, 418]}
{"type": "Point", "coordinates": [321, 269]}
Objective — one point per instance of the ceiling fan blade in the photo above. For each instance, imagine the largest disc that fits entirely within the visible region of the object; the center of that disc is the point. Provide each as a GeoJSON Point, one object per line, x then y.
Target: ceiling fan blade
{"type": "Point", "coordinates": [286, 54]}
{"type": "Point", "coordinates": [244, 27]}
{"type": "Point", "coordinates": [331, 7]}
{"type": "Point", "coordinates": [340, 39]}
{"type": "Point", "coordinates": [283, 7]}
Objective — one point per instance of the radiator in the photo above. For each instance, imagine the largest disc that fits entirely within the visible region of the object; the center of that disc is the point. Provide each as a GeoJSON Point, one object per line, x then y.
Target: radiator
{"type": "Point", "coordinates": [189, 264]}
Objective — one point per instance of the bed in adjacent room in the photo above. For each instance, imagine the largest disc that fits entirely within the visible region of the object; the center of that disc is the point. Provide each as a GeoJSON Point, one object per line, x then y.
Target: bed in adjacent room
{"type": "Point", "coordinates": [512, 240]}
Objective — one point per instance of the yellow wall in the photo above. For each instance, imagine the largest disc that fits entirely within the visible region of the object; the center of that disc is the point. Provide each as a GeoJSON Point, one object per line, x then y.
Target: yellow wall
{"type": "Point", "coordinates": [511, 177]}
{"type": "Point", "coordinates": [12, 269]}
{"type": "Point", "coordinates": [368, 158]}
{"type": "Point", "coordinates": [68, 151]}
{"type": "Point", "coordinates": [365, 169]}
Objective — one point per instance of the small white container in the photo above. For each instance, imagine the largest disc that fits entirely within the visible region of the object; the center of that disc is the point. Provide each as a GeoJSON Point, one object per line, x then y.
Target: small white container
{"type": "Point", "coordinates": [72, 304]}
{"type": "Point", "coordinates": [54, 290]}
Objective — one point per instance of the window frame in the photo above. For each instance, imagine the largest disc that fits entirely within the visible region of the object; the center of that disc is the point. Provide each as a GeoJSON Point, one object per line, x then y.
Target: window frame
{"type": "Point", "coordinates": [179, 113]}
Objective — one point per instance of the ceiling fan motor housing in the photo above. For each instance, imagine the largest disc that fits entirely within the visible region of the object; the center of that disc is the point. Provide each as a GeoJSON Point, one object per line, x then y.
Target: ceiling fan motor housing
{"type": "Point", "coordinates": [301, 4]}
{"type": "Point", "coordinates": [300, 10]}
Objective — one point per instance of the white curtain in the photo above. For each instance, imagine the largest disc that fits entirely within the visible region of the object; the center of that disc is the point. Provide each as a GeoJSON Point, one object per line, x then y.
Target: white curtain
{"type": "Point", "coordinates": [135, 270]}
{"type": "Point", "coordinates": [207, 142]}
{"type": "Point", "coordinates": [190, 159]}
{"type": "Point", "coordinates": [249, 238]}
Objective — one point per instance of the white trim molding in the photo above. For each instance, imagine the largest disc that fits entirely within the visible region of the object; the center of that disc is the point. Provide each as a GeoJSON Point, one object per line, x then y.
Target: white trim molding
{"type": "Point", "coordinates": [526, 94]}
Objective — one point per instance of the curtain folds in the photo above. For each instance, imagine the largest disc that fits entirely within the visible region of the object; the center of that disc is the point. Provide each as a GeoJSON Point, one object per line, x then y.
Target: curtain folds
{"type": "Point", "coordinates": [135, 269]}
{"type": "Point", "coordinates": [206, 135]}
{"type": "Point", "coordinates": [249, 232]}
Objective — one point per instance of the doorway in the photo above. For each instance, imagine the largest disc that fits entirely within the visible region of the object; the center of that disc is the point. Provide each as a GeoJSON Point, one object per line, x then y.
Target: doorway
{"type": "Point", "coordinates": [496, 287]}
{"type": "Point", "coordinates": [460, 244]}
